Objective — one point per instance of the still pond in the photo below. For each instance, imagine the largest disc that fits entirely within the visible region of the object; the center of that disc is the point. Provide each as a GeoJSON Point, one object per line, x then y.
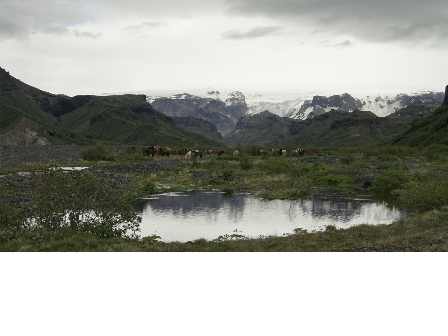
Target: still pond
{"type": "Point", "coordinates": [189, 215]}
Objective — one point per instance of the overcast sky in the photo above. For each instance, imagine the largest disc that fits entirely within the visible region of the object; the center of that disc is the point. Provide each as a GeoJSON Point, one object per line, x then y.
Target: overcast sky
{"type": "Point", "coordinates": [322, 46]}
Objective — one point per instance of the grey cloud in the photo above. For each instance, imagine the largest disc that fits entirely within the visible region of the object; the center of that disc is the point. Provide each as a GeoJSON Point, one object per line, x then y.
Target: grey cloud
{"type": "Point", "coordinates": [62, 31]}
{"type": "Point", "coordinates": [143, 27]}
{"type": "Point", "coordinates": [20, 19]}
{"type": "Point", "coordinates": [378, 21]}
{"type": "Point", "coordinates": [87, 34]}
{"type": "Point", "coordinates": [345, 44]}
{"type": "Point", "coordinates": [51, 30]}
{"type": "Point", "coordinates": [251, 33]}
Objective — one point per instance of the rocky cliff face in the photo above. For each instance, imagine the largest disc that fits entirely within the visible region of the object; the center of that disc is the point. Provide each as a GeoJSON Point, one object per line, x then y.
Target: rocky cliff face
{"type": "Point", "coordinates": [445, 102]}
{"type": "Point", "coordinates": [200, 126]}
{"type": "Point", "coordinates": [262, 129]}
{"type": "Point", "coordinates": [224, 114]}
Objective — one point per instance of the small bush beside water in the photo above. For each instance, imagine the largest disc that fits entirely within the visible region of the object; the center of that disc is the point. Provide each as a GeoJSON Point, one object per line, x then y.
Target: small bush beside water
{"type": "Point", "coordinates": [78, 201]}
{"type": "Point", "coordinates": [389, 181]}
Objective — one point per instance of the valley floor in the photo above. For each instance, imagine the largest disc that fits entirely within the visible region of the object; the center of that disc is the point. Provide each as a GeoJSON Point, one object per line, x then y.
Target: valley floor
{"type": "Point", "coordinates": [268, 177]}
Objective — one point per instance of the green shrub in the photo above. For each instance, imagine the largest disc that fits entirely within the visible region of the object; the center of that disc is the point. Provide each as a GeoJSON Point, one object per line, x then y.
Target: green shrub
{"type": "Point", "coordinates": [426, 192]}
{"type": "Point", "coordinates": [246, 162]}
{"type": "Point", "coordinates": [81, 201]}
{"type": "Point", "coordinates": [10, 216]}
{"type": "Point", "coordinates": [389, 181]}
{"type": "Point", "coordinates": [96, 153]}
{"type": "Point", "coordinates": [152, 239]}
{"type": "Point", "coordinates": [148, 188]}
{"type": "Point", "coordinates": [227, 175]}
{"type": "Point", "coordinates": [347, 159]}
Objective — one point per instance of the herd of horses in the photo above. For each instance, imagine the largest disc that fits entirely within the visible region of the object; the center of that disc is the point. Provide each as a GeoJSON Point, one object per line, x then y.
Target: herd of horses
{"type": "Point", "coordinates": [166, 151]}
{"type": "Point", "coordinates": [189, 153]}
{"type": "Point", "coordinates": [283, 152]}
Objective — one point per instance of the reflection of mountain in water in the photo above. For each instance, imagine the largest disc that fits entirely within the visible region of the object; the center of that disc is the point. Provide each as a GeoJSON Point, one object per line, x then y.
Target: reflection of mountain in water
{"type": "Point", "coordinates": [337, 206]}
{"type": "Point", "coordinates": [193, 202]}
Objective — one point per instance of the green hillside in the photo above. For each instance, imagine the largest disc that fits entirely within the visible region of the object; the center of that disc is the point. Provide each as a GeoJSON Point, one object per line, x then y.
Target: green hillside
{"type": "Point", "coordinates": [9, 117]}
{"type": "Point", "coordinates": [32, 116]}
{"type": "Point", "coordinates": [20, 128]}
{"type": "Point", "coordinates": [129, 119]}
{"type": "Point", "coordinates": [430, 131]}
{"type": "Point", "coordinates": [334, 128]}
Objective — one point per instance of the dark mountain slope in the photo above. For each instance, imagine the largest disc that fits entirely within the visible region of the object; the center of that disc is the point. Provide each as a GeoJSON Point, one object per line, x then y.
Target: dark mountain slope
{"type": "Point", "coordinates": [262, 129]}
{"type": "Point", "coordinates": [334, 128]}
{"type": "Point", "coordinates": [199, 126]}
{"type": "Point", "coordinates": [129, 119]}
{"type": "Point", "coordinates": [430, 131]}
{"type": "Point", "coordinates": [30, 115]}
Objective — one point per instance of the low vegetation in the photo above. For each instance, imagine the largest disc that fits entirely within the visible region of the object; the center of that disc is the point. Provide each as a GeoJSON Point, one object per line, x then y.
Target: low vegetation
{"type": "Point", "coordinates": [81, 212]}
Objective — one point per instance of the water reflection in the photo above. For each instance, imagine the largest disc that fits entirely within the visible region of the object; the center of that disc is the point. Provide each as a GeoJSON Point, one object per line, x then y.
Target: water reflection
{"type": "Point", "coordinates": [200, 214]}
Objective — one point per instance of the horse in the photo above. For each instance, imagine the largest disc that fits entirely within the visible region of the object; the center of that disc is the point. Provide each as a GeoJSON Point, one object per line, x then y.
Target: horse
{"type": "Point", "coordinates": [263, 151]}
{"type": "Point", "coordinates": [236, 152]}
{"type": "Point", "coordinates": [208, 152]}
{"type": "Point", "coordinates": [162, 151]}
{"type": "Point", "coordinates": [197, 153]}
{"type": "Point", "coordinates": [221, 152]}
{"type": "Point", "coordinates": [194, 152]}
{"type": "Point", "coordinates": [149, 151]}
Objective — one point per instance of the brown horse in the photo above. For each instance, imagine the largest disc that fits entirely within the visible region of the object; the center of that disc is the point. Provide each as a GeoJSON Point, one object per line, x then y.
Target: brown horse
{"type": "Point", "coordinates": [149, 151]}
{"type": "Point", "coordinates": [162, 151]}
{"type": "Point", "coordinates": [263, 151]}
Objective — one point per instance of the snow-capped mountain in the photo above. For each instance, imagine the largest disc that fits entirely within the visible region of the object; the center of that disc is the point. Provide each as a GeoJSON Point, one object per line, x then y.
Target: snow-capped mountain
{"type": "Point", "coordinates": [296, 105]}
{"type": "Point", "coordinates": [302, 108]}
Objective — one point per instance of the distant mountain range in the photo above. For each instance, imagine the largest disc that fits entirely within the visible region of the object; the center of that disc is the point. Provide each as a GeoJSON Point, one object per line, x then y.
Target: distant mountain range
{"type": "Point", "coordinates": [224, 108]}
{"type": "Point", "coordinates": [216, 119]}
{"type": "Point", "coordinates": [333, 128]}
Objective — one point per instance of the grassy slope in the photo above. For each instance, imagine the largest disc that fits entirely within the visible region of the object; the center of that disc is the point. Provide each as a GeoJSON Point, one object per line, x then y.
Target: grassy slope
{"type": "Point", "coordinates": [14, 121]}
{"type": "Point", "coordinates": [126, 119]}
{"type": "Point", "coordinates": [430, 131]}
{"type": "Point", "coordinates": [363, 129]}
{"type": "Point", "coordinates": [19, 105]}
{"type": "Point", "coordinates": [129, 119]}
{"type": "Point", "coordinates": [9, 117]}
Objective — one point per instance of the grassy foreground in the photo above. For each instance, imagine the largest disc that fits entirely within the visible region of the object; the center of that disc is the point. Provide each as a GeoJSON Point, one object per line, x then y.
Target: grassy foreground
{"type": "Point", "coordinates": [60, 200]}
{"type": "Point", "coordinates": [423, 232]}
